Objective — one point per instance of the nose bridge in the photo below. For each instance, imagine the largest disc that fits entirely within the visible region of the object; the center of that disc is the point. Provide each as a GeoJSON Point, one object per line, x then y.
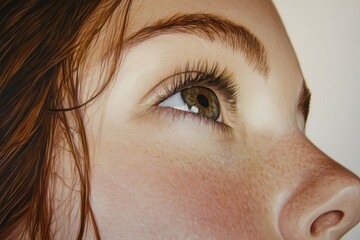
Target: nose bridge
{"type": "Point", "coordinates": [324, 201]}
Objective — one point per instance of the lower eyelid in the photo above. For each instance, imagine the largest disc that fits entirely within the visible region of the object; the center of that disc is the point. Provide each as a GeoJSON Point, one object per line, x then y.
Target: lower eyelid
{"type": "Point", "coordinates": [175, 116]}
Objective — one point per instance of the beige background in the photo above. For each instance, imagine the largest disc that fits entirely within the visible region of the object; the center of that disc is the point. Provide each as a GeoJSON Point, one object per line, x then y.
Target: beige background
{"type": "Point", "coordinates": [326, 38]}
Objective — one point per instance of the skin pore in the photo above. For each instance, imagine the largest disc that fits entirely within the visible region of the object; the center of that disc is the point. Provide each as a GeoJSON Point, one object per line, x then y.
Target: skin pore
{"type": "Point", "coordinates": [160, 173]}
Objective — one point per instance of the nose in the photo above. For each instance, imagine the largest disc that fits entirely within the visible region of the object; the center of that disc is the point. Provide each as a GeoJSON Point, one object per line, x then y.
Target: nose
{"type": "Point", "coordinates": [325, 204]}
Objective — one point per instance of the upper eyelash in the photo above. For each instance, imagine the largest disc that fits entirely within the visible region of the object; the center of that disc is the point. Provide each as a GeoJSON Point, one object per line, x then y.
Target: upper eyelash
{"type": "Point", "coordinates": [209, 76]}
{"type": "Point", "coordinates": [202, 73]}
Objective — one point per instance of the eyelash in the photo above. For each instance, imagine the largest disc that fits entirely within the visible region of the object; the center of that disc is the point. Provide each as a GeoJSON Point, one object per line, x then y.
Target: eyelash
{"type": "Point", "coordinates": [201, 74]}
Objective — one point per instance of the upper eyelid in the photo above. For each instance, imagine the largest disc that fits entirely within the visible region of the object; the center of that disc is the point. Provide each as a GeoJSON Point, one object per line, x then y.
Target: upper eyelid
{"type": "Point", "coordinates": [222, 80]}
{"type": "Point", "coordinates": [223, 84]}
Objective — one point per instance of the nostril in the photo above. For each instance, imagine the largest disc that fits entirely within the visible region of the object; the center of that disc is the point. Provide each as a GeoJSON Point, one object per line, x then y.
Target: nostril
{"type": "Point", "coordinates": [325, 221]}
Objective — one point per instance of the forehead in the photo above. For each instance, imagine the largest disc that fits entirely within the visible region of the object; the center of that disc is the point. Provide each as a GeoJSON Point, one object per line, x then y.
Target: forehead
{"type": "Point", "coordinates": [243, 11]}
{"type": "Point", "coordinates": [259, 16]}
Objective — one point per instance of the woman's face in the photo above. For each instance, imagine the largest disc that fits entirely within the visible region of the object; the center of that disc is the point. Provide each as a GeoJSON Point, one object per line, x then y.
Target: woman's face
{"type": "Point", "coordinates": [229, 162]}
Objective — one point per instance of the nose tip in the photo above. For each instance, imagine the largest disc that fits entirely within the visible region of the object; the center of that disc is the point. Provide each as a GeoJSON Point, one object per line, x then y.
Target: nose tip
{"type": "Point", "coordinates": [326, 208]}
{"type": "Point", "coordinates": [337, 214]}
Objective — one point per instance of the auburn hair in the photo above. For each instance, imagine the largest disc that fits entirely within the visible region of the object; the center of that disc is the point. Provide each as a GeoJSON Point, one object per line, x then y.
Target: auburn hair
{"type": "Point", "coordinates": [42, 47]}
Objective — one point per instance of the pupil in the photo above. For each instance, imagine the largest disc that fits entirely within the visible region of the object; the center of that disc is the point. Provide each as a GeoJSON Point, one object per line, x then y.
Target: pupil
{"type": "Point", "coordinates": [203, 100]}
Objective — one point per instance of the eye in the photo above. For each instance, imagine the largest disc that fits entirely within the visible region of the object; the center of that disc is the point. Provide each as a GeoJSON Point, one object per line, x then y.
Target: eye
{"type": "Point", "coordinates": [196, 99]}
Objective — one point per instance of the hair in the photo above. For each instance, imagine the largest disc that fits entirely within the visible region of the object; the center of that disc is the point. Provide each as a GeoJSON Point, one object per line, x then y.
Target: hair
{"type": "Point", "coordinates": [42, 47]}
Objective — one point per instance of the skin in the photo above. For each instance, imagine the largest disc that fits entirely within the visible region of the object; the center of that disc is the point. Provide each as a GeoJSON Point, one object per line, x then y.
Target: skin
{"type": "Point", "coordinates": [155, 176]}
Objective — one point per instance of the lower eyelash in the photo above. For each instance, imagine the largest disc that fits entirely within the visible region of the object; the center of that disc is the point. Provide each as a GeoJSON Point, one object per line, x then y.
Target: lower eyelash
{"type": "Point", "coordinates": [175, 115]}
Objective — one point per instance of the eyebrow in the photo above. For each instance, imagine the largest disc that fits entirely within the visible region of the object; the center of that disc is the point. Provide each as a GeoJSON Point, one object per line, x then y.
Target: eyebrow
{"type": "Point", "coordinates": [304, 101]}
{"type": "Point", "coordinates": [213, 28]}
{"type": "Point", "coordinates": [217, 28]}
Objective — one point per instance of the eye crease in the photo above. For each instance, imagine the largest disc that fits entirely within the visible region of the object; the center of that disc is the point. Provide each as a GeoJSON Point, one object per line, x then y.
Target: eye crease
{"type": "Point", "coordinates": [207, 92]}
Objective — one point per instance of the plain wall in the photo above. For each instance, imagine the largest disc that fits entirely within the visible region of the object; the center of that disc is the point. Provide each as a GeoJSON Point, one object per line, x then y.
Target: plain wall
{"type": "Point", "coordinates": [326, 37]}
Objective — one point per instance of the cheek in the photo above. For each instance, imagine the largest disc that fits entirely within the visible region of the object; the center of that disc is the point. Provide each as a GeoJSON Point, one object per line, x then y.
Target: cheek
{"type": "Point", "coordinates": [153, 196]}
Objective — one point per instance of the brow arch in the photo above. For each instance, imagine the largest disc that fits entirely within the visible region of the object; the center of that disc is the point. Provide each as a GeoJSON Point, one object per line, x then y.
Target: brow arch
{"type": "Point", "coordinates": [210, 27]}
